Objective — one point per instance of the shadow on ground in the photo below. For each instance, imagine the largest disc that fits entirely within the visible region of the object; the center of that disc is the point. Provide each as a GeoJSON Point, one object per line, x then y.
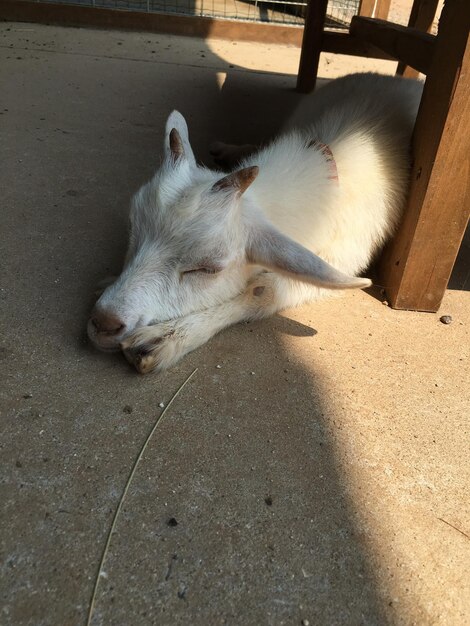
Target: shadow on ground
{"type": "Point", "coordinates": [245, 463]}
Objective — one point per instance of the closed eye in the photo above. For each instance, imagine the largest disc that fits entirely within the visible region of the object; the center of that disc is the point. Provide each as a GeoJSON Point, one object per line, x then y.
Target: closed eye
{"type": "Point", "coordinates": [203, 270]}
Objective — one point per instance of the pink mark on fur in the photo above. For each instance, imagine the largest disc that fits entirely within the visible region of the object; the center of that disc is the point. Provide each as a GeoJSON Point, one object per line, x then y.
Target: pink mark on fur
{"type": "Point", "coordinates": [330, 159]}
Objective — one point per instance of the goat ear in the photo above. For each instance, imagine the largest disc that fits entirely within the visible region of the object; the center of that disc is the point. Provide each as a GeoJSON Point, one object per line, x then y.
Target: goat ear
{"type": "Point", "coordinates": [177, 139]}
{"type": "Point", "coordinates": [271, 249]}
{"type": "Point", "coordinates": [176, 145]}
{"type": "Point", "coordinates": [239, 181]}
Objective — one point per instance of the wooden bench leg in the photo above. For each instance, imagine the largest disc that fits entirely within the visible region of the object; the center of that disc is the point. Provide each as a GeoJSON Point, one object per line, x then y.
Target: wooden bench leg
{"type": "Point", "coordinates": [311, 45]}
{"type": "Point", "coordinates": [417, 265]}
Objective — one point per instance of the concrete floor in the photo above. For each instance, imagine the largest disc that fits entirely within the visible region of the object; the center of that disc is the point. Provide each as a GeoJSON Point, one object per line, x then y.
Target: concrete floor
{"type": "Point", "coordinates": [328, 487]}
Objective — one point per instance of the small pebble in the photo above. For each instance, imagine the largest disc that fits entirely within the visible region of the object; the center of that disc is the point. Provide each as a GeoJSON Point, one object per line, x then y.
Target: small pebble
{"type": "Point", "coordinates": [127, 409]}
{"type": "Point", "coordinates": [252, 373]}
{"type": "Point", "coordinates": [269, 501]}
{"type": "Point", "coordinates": [446, 319]}
{"type": "Point", "coordinates": [305, 622]}
{"type": "Point", "coordinates": [161, 405]}
{"type": "Point", "coordinates": [218, 366]}
{"type": "Point", "coordinates": [27, 395]}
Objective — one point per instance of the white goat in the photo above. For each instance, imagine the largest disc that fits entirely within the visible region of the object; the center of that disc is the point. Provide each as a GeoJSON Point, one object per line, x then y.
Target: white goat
{"type": "Point", "coordinates": [201, 241]}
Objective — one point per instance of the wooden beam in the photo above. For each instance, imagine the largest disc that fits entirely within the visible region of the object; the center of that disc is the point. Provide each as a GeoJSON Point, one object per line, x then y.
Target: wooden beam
{"type": "Point", "coordinates": [415, 268]}
{"type": "Point", "coordinates": [312, 43]}
{"type": "Point", "coordinates": [188, 26]}
{"type": "Point", "coordinates": [344, 43]}
{"type": "Point", "coordinates": [422, 17]}
{"type": "Point", "coordinates": [409, 45]}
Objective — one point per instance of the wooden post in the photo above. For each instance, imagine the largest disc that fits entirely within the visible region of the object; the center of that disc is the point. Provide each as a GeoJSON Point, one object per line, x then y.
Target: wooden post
{"type": "Point", "coordinates": [366, 8]}
{"type": "Point", "coordinates": [382, 10]}
{"type": "Point", "coordinates": [311, 45]}
{"type": "Point", "coordinates": [422, 17]}
{"type": "Point", "coordinates": [415, 268]}
{"type": "Point", "coordinates": [374, 8]}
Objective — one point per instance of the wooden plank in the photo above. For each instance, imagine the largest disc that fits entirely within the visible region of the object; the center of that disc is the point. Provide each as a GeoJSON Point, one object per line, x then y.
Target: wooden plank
{"type": "Point", "coordinates": [410, 45]}
{"type": "Point", "coordinates": [344, 43]}
{"type": "Point", "coordinates": [312, 42]}
{"type": "Point", "coordinates": [189, 26]}
{"type": "Point", "coordinates": [416, 266]}
{"type": "Point", "coordinates": [422, 17]}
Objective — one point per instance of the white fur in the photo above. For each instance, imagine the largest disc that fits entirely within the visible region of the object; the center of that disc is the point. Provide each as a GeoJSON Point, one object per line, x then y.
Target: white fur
{"type": "Point", "coordinates": [292, 218]}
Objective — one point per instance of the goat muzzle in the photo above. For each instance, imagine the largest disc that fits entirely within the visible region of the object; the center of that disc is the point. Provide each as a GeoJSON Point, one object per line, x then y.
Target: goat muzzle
{"type": "Point", "coordinates": [106, 323]}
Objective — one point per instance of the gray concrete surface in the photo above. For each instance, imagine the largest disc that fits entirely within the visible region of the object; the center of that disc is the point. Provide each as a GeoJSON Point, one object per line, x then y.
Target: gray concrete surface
{"type": "Point", "coordinates": [328, 487]}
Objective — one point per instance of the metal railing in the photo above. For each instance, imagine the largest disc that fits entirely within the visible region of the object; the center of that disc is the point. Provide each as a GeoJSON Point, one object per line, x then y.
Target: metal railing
{"type": "Point", "coordinates": [293, 12]}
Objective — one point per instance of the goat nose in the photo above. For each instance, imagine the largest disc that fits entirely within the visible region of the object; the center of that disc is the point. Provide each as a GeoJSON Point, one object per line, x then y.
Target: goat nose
{"type": "Point", "coordinates": [106, 323]}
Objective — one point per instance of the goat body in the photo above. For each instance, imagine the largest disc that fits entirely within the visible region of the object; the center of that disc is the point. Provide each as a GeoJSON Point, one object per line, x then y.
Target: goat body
{"type": "Point", "coordinates": [304, 215]}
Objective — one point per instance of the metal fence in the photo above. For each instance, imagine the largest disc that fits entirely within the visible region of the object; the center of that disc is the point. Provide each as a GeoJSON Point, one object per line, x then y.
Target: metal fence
{"type": "Point", "coordinates": [267, 11]}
